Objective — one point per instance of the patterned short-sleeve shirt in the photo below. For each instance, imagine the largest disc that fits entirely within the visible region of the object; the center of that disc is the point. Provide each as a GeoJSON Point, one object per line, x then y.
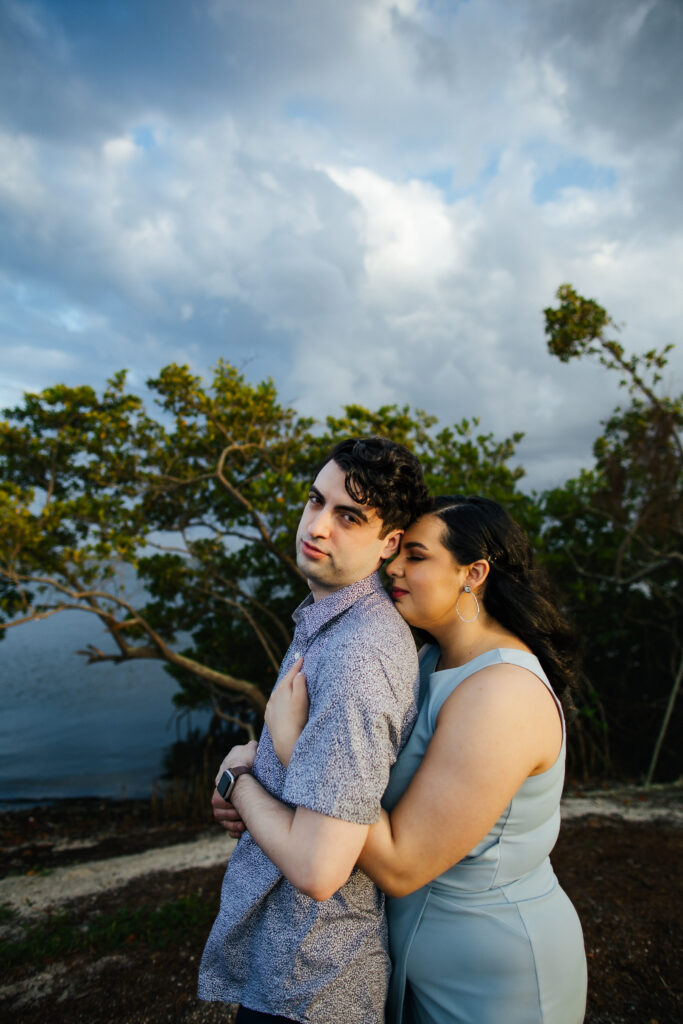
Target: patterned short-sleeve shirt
{"type": "Point", "coordinates": [271, 947]}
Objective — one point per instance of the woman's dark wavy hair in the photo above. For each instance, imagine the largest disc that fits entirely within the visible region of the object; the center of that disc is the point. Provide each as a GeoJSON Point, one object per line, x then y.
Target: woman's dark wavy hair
{"type": "Point", "coordinates": [385, 476]}
{"type": "Point", "coordinates": [517, 593]}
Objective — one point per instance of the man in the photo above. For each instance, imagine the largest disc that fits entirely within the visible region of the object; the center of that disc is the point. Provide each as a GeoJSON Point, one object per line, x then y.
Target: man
{"type": "Point", "coordinates": [308, 942]}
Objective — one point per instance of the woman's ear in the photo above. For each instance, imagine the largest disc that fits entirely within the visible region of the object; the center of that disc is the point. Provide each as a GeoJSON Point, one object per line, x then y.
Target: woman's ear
{"type": "Point", "coordinates": [477, 573]}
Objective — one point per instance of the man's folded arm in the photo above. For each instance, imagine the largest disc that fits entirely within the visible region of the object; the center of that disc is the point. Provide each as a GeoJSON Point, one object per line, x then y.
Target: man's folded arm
{"type": "Point", "coordinates": [314, 851]}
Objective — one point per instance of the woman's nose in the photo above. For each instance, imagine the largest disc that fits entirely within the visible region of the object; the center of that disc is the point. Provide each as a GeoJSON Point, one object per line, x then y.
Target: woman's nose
{"type": "Point", "coordinates": [395, 568]}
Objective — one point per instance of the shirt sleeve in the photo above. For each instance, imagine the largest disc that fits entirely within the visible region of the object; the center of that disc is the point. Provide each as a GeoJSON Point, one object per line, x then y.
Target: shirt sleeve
{"type": "Point", "coordinates": [340, 765]}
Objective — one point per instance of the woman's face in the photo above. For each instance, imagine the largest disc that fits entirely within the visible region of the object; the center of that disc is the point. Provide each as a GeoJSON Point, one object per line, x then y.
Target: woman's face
{"type": "Point", "coordinates": [426, 579]}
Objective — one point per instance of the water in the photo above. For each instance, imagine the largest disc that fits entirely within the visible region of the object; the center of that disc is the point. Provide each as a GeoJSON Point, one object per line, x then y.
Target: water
{"type": "Point", "coordinates": [68, 729]}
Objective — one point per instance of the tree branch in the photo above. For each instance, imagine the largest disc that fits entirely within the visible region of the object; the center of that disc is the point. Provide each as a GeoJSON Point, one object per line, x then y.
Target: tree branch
{"type": "Point", "coordinates": [636, 577]}
{"type": "Point", "coordinates": [164, 653]}
{"type": "Point", "coordinates": [288, 562]}
{"type": "Point", "coordinates": [263, 639]}
{"type": "Point", "coordinates": [218, 711]}
{"type": "Point", "coordinates": [275, 619]}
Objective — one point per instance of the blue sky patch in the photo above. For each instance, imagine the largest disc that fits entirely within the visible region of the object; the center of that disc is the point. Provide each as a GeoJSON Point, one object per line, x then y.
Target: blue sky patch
{"type": "Point", "coordinates": [445, 180]}
{"type": "Point", "coordinates": [573, 173]}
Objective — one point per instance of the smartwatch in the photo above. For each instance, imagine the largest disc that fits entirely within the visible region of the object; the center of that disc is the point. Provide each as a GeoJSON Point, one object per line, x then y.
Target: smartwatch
{"type": "Point", "coordinates": [227, 781]}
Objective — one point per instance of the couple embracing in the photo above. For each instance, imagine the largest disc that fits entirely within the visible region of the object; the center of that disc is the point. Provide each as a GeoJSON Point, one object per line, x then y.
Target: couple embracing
{"type": "Point", "coordinates": [433, 778]}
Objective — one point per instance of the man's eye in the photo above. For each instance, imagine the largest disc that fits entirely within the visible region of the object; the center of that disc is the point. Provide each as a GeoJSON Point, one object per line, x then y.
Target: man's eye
{"type": "Point", "coordinates": [314, 499]}
{"type": "Point", "coordinates": [351, 519]}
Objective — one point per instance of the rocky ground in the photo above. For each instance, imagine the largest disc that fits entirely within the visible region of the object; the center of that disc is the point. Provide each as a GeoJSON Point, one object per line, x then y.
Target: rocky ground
{"type": "Point", "coordinates": [103, 914]}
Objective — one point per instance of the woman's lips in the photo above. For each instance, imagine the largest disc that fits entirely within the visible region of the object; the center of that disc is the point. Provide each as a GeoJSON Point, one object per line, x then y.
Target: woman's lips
{"type": "Point", "coordinates": [396, 592]}
{"type": "Point", "coordinates": [310, 551]}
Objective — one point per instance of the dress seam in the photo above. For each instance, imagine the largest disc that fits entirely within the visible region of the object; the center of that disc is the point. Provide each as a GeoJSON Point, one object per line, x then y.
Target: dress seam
{"type": "Point", "coordinates": [533, 954]}
{"type": "Point", "coordinates": [498, 845]}
{"type": "Point", "coordinates": [404, 957]}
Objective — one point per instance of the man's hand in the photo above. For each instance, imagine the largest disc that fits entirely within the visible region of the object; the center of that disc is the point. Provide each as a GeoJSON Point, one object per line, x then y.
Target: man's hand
{"type": "Point", "coordinates": [287, 712]}
{"type": "Point", "coordinates": [226, 815]}
{"type": "Point", "coordinates": [238, 755]}
{"type": "Point", "coordinates": [223, 811]}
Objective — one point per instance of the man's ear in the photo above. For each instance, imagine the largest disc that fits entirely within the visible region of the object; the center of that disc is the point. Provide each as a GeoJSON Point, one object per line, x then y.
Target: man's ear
{"type": "Point", "coordinates": [392, 542]}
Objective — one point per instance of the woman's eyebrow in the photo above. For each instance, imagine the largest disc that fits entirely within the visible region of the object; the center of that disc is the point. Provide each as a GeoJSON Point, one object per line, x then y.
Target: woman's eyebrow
{"type": "Point", "coordinates": [414, 544]}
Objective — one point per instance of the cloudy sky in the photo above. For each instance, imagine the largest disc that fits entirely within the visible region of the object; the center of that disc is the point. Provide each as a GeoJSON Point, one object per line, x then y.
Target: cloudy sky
{"type": "Point", "coordinates": [368, 200]}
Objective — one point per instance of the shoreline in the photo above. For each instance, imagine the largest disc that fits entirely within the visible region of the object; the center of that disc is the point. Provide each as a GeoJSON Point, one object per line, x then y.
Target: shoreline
{"type": "Point", "coordinates": [80, 848]}
{"type": "Point", "coordinates": [619, 792]}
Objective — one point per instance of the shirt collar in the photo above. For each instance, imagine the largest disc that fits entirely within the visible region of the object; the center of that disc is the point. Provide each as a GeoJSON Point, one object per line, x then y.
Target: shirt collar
{"type": "Point", "coordinates": [311, 616]}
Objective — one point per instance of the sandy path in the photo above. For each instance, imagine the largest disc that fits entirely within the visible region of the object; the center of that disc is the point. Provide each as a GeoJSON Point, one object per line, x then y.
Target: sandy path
{"type": "Point", "coordinates": [31, 894]}
{"type": "Point", "coordinates": [627, 808]}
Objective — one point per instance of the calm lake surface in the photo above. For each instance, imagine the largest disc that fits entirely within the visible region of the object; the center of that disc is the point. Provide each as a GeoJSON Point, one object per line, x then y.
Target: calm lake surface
{"type": "Point", "coordinates": [70, 730]}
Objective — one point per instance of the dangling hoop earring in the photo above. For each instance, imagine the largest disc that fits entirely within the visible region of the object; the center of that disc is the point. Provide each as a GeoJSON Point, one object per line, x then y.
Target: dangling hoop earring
{"type": "Point", "coordinates": [467, 590]}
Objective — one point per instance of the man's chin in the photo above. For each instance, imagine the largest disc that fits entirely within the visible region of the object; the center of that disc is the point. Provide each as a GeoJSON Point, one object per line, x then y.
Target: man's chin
{"type": "Point", "coordinates": [313, 573]}
{"type": "Point", "coordinates": [309, 566]}
{"type": "Point", "coordinates": [318, 576]}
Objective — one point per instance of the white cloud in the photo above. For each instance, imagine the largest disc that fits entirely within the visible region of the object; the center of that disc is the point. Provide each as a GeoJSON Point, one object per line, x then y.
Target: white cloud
{"type": "Point", "coordinates": [119, 150]}
{"type": "Point", "coordinates": [408, 236]}
{"type": "Point", "coordinates": [345, 197]}
{"type": "Point", "coordinates": [46, 360]}
{"type": "Point", "coordinates": [20, 184]}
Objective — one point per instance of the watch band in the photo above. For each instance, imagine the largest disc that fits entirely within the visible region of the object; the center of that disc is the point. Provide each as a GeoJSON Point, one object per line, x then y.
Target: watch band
{"type": "Point", "coordinates": [227, 781]}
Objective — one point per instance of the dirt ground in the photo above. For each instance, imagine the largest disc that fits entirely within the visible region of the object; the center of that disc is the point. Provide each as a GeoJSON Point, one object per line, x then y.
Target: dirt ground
{"type": "Point", "coordinates": [624, 877]}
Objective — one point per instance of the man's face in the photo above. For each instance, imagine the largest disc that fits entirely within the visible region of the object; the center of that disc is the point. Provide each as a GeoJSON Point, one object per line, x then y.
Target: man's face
{"type": "Point", "coordinates": [338, 541]}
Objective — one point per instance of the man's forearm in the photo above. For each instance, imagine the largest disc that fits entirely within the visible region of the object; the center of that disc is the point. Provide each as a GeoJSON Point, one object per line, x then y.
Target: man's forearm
{"type": "Point", "coordinates": [314, 852]}
{"type": "Point", "coordinates": [269, 820]}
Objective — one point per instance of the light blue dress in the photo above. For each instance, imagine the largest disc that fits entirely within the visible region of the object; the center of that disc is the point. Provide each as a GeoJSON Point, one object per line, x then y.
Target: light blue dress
{"type": "Point", "coordinates": [493, 940]}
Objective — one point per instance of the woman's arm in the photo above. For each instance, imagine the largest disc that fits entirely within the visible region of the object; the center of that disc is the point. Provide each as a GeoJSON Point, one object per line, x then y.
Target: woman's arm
{"type": "Point", "coordinates": [497, 728]}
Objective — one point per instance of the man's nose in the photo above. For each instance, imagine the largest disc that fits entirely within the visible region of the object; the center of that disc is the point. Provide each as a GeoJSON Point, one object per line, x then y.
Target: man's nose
{"type": "Point", "coordinates": [321, 523]}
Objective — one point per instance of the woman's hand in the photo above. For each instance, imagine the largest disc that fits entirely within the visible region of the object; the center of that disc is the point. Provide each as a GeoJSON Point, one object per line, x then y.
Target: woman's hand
{"type": "Point", "coordinates": [287, 711]}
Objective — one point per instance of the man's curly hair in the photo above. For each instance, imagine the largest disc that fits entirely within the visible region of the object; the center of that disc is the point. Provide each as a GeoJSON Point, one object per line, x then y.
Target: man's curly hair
{"type": "Point", "coordinates": [385, 476]}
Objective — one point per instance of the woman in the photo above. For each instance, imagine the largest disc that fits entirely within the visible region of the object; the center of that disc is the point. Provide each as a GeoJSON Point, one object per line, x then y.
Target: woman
{"type": "Point", "coordinates": [480, 930]}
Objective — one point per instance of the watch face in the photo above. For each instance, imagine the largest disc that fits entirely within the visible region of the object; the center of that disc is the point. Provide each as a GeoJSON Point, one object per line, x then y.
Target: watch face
{"type": "Point", "coordinates": [225, 783]}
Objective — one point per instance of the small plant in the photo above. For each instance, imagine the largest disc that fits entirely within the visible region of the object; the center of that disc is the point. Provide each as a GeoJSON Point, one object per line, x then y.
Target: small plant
{"type": "Point", "coordinates": [7, 912]}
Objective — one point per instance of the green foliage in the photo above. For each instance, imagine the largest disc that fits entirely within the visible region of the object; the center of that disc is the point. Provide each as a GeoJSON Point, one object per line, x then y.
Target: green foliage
{"type": "Point", "coordinates": [613, 538]}
{"type": "Point", "coordinates": [199, 503]}
{"type": "Point", "coordinates": [577, 328]}
{"type": "Point", "coordinates": [196, 496]}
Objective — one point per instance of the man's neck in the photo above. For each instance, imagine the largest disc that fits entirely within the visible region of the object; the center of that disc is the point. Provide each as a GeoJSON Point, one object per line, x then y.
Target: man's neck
{"type": "Point", "coordinates": [318, 592]}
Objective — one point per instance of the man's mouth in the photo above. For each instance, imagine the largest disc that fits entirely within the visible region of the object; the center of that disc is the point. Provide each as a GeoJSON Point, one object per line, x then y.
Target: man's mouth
{"type": "Point", "coordinates": [311, 551]}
